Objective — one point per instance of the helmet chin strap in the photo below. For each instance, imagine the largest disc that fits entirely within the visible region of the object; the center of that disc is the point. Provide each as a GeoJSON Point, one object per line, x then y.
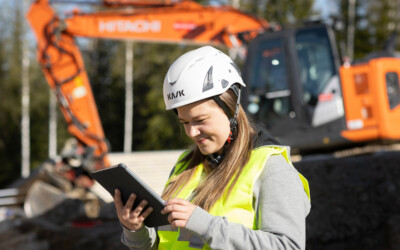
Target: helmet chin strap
{"type": "Point", "coordinates": [215, 159]}
{"type": "Point", "coordinates": [232, 117]}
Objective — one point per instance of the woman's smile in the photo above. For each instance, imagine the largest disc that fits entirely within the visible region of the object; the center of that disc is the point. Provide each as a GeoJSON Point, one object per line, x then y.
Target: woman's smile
{"type": "Point", "coordinates": [201, 141]}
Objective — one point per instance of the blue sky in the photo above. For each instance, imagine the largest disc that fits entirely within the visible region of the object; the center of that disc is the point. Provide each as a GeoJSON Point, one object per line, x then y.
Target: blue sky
{"type": "Point", "coordinates": [325, 7]}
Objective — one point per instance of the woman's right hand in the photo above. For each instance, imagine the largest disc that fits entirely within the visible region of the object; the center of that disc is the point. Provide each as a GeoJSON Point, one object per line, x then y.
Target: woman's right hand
{"type": "Point", "coordinates": [131, 218]}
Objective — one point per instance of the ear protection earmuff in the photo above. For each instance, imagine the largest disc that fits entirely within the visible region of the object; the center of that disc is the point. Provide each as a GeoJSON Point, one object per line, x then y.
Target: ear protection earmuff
{"type": "Point", "coordinates": [233, 125]}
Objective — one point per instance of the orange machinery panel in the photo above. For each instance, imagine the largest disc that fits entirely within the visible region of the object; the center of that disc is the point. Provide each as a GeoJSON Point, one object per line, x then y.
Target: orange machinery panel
{"type": "Point", "coordinates": [369, 115]}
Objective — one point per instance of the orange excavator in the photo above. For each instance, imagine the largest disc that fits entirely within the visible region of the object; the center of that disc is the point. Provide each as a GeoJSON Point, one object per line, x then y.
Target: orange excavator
{"type": "Point", "coordinates": [149, 20]}
{"type": "Point", "coordinates": [297, 85]}
{"type": "Point", "coordinates": [300, 90]}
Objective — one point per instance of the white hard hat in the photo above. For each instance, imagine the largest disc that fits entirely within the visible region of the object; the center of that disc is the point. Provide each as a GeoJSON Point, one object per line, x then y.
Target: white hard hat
{"type": "Point", "coordinates": [199, 74]}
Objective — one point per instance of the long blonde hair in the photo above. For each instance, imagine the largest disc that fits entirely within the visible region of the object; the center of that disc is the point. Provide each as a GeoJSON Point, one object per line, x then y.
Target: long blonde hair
{"type": "Point", "coordinates": [217, 181]}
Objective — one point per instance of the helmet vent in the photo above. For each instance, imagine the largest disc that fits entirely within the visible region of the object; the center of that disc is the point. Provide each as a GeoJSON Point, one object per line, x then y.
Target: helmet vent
{"type": "Point", "coordinates": [224, 83]}
{"type": "Point", "coordinates": [208, 82]}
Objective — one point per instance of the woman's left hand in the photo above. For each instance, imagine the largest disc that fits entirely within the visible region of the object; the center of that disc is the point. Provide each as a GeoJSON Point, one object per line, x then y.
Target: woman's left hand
{"type": "Point", "coordinates": [179, 212]}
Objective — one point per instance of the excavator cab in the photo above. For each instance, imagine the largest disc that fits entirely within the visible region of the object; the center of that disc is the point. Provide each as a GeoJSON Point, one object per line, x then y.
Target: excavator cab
{"type": "Point", "coordinates": [293, 86]}
{"type": "Point", "coordinates": [297, 89]}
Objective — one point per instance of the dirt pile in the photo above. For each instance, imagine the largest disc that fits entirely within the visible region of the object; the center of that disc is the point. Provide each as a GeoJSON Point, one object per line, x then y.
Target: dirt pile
{"type": "Point", "coordinates": [355, 201]}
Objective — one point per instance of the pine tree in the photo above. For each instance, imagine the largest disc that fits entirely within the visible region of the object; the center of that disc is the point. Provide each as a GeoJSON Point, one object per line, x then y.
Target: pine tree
{"type": "Point", "coordinates": [283, 11]}
{"type": "Point", "coordinates": [9, 108]}
{"type": "Point", "coordinates": [375, 22]}
{"type": "Point", "coordinates": [104, 63]}
{"type": "Point", "coordinates": [383, 21]}
{"type": "Point", "coordinates": [10, 95]}
{"type": "Point", "coordinates": [159, 128]}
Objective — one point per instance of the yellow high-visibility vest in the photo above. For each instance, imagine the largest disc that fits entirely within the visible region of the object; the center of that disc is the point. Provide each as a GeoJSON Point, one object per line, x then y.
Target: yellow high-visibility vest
{"type": "Point", "coordinates": [237, 208]}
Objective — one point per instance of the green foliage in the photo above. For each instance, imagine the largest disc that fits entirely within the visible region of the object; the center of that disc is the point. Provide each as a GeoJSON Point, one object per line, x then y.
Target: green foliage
{"type": "Point", "coordinates": [383, 22]}
{"type": "Point", "coordinates": [153, 128]}
{"type": "Point", "coordinates": [105, 66]}
{"type": "Point", "coordinates": [374, 22]}
{"type": "Point", "coordinates": [10, 102]}
{"type": "Point", "coordinates": [160, 127]}
{"type": "Point", "coordinates": [282, 11]}
{"type": "Point", "coordinates": [361, 36]}
{"type": "Point", "coordinates": [39, 115]}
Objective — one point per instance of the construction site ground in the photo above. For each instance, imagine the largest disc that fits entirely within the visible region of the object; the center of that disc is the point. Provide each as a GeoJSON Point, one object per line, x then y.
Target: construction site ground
{"type": "Point", "coordinates": [355, 201]}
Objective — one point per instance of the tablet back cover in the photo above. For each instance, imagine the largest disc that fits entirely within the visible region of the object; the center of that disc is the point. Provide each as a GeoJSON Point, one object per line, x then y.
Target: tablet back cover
{"type": "Point", "coordinates": [119, 176]}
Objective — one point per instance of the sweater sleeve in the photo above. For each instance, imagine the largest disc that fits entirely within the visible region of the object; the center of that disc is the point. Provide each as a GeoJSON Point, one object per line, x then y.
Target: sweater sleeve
{"type": "Point", "coordinates": [145, 238]}
{"type": "Point", "coordinates": [281, 205]}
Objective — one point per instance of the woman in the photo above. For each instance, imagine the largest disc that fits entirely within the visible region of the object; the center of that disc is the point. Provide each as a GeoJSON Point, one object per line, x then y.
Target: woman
{"type": "Point", "coordinates": [230, 191]}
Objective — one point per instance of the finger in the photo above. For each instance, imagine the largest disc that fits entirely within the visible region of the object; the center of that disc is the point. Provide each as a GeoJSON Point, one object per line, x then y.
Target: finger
{"type": "Point", "coordinates": [170, 209]}
{"type": "Point", "coordinates": [139, 208]}
{"type": "Point", "coordinates": [175, 216]}
{"type": "Point", "coordinates": [177, 201]}
{"type": "Point", "coordinates": [146, 213]}
{"type": "Point", "coordinates": [178, 223]}
{"type": "Point", "coordinates": [117, 198]}
{"type": "Point", "coordinates": [128, 206]}
{"type": "Point", "coordinates": [174, 208]}
{"type": "Point", "coordinates": [129, 203]}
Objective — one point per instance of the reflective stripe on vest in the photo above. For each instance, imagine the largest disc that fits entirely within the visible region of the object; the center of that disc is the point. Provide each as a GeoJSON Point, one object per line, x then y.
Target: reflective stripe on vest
{"type": "Point", "coordinates": [237, 208]}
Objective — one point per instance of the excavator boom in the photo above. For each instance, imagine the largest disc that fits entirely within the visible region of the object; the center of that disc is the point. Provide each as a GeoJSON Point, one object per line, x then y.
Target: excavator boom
{"type": "Point", "coordinates": [185, 22]}
{"type": "Point", "coordinates": [158, 21]}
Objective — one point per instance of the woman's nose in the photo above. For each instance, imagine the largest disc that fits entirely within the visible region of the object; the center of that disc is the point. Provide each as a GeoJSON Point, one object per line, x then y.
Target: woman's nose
{"type": "Point", "coordinates": [192, 131]}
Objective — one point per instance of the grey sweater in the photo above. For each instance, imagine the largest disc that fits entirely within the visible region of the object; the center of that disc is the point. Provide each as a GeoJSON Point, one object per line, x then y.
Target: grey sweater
{"type": "Point", "coordinates": [281, 205]}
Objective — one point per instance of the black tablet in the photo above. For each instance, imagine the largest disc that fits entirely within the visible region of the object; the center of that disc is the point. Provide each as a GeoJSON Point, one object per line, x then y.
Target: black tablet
{"type": "Point", "coordinates": [121, 177]}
